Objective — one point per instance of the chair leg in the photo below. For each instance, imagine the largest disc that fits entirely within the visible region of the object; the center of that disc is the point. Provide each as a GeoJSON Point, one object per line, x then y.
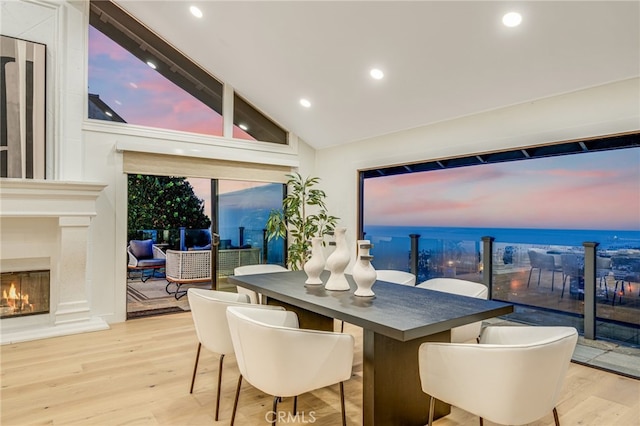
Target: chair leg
{"type": "Point", "coordinates": [295, 405]}
{"type": "Point", "coordinates": [432, 407]}
{"type": "Point", "coordinates": [539, 273]}
{"type": "Point", "coordinates": [195, 367]}
{"type": "Point", "coordinates": [555, 416]}
{"type": "Point", "coordinates": [481, 421]}
{"type": "Point", "coordinates": [344, 415]}
{"type": "Point", "coordinates": [529, 280]}
{"type": "Point", "coordinates": [564, 282]}
{"type": "Point", "coordinates": [275, 410]}
{"type": "Point", "coordinates": [341, 326]}
{"type": "Point", "coordinates": [553, 276]}
{"type": "Point", "coordinates": [219, 385]}
{"type": "Point", "coordinates": [235, 402]}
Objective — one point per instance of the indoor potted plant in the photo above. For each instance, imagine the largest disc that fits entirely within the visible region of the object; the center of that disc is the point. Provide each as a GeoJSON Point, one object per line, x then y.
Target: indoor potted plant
{"type": "Point", "coordinates": [296, 218]}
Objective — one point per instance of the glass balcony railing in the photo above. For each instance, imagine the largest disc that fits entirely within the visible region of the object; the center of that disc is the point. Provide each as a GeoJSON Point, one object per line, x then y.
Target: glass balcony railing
{"type": "Point", "coordinates": [595, 290]}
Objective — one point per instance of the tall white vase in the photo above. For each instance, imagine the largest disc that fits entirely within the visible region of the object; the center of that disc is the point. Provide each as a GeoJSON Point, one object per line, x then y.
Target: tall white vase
{"type": "Point", "coordinates": [315, 265]}
{"type": "Point", "coordinates": [364, 274]}
{"type": "Point", "coordinates": [338, 261]}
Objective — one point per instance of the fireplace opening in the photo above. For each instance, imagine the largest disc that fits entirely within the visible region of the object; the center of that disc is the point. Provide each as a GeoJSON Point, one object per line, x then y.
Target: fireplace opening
{"type": "Point", "coordinates": [24, 293]}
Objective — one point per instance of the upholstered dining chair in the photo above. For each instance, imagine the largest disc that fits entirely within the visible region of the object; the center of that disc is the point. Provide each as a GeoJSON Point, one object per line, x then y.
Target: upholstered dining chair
{"type": "Point", "coordinates": [208, 309]}
{"type": "Point", "coordinates": [467, 332]}
{"type": "Point", "coordinates": [279, 359]}
{"type": "Point", "coordinates": [264, 268]}
{"type": "Point", "coordinates": [397, 277]}
{"type": "Point", "coordinates": [523, 366]}
{"type": "Point", "coordinates": [573, 271]}
{"type": "Point", "coordinates": [542, 261]}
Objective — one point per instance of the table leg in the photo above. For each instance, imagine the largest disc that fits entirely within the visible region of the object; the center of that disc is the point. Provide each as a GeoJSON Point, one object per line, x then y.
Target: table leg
{"type": "Point", "coordinates": [392, 393]}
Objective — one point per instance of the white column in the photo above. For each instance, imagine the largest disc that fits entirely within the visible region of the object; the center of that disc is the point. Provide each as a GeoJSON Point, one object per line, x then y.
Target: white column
{"type": "Point", "coordinates": [72, 298]}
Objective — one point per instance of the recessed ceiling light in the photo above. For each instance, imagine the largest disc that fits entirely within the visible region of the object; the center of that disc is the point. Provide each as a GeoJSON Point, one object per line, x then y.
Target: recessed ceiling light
{"type": "Point", "coordinates": [512, 19]}
{"type": "Point", "coordinates": [195, 12]}
{"type": "Point", "coordinates": [305, 103]}
{"type": "Point", "coordinates": [376, 73]}
{"type": "Point", "coordinates": [151, 64]}
{"type": "Point", "coordinates": [108, 113]}
{"type": "Point", "coordinates": [243, 126]}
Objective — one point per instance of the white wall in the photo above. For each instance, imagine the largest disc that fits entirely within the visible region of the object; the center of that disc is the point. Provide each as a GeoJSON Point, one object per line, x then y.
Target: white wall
{"type": "Point", "coordinates": [603, 110]}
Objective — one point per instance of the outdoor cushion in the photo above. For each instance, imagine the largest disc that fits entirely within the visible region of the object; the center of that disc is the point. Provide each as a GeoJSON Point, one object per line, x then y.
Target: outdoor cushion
{"type": "Point", "coordinates": [141, 249]}
{"type": "Point", "coordinates": [151, 263]}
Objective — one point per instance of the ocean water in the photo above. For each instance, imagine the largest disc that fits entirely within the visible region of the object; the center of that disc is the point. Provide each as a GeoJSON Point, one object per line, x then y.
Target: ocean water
{"type": "Point", "coordinates": [392, 244]}
{"type": "Point", "coordinates": [607, 239]}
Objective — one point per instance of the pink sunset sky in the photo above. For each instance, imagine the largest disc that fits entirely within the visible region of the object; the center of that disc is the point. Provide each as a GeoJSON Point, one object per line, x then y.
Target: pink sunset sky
{"type": "Point", "coordinates": [141, 95]}
{"type": "Point", "coordinates": [599, 190]}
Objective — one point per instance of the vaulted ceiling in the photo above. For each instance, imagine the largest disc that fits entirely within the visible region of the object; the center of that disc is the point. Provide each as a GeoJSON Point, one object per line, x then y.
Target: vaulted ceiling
{"type": "Point", "coordinates": [441, 60]}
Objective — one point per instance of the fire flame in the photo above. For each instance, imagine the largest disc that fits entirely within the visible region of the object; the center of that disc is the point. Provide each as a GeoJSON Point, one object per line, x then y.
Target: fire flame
{"type": "Point", "coordinates": [16, 300]}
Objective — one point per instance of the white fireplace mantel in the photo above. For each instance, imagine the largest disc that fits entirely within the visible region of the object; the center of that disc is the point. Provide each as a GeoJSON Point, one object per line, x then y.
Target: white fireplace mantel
{"type": "Point", "coordinates": [62, 240]}
{"type": "Point", "coordinates": [48, 198]}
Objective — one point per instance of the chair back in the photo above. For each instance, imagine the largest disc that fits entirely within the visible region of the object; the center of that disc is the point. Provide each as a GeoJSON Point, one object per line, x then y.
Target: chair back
{"type": "Point", "coordinates": [541, 260]}
{"type": "Point", "coordinates": [183, 266]}
{"type": "Point", "coordinates": [396, 277]}
{"type": "Point", "coordinates": [523, 366]}
{"type": "Point", "coordinates": [209, 312]}
{"type": "Point", "coordinates": [278, 358]}
{"type": "Point", "coordinates": [265, 268]}
{"type": "Point", "coordinates": [571, 265]}
{"type": "Point", "coordinates": [467, 332]}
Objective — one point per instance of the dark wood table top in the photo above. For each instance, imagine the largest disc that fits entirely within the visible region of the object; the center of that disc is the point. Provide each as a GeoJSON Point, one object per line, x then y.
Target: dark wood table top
{"type": "Point", "coordinates": [397, 311]}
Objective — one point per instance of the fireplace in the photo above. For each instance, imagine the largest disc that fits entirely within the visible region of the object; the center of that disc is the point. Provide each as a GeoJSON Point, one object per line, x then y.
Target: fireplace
{"type": "Point", "coordinates": [45, 257]}
{"type": "Point", "coordinates": [24, 293]}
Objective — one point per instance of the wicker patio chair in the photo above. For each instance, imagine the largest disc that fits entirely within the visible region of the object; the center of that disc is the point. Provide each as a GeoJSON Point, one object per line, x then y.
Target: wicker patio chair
{"type": "Point", "coordinates": [187, 267]}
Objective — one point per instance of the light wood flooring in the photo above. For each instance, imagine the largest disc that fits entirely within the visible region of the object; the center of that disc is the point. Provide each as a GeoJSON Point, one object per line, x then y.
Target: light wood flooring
{"type": "Point", "coordinates": [139, 372]}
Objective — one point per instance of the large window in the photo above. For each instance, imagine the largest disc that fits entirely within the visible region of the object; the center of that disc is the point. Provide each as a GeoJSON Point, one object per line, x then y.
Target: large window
{"type": "Point", "coordinates": [540, 202]}
{"type": "Point", "coordinates": [138, 78]}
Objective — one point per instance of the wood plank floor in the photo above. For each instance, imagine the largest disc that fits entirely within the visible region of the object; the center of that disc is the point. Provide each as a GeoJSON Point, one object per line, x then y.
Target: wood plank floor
{"type": "Point", "coordinates": [138, 373]}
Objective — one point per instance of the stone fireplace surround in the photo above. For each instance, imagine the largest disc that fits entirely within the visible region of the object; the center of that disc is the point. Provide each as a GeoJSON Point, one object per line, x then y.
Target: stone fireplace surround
{"type": "Point", "coordinates": [44, 224]}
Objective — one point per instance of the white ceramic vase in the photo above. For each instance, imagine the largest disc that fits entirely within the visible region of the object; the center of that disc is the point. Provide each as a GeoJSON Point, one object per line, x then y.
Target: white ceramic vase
{"type": "Point", "coordinates": [315, 265]}
{"type": "Point", "coordinates": [338, 261]}
{"type": "Point", "coordinates": [364, 274]}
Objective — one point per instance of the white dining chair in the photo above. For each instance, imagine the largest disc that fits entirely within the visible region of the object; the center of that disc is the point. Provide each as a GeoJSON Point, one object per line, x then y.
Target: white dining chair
{"type": "Point", "coordinates": [396, 276]}
{"type": "Point", "coordinates": [467, 332]}
{"type": "Point", "coordinates": [279, 359]}
{"type": "Point", "coordinates": [523, 367]}
{"type": "Point", "coordinates": [208, 309]}
{"type": "Point", "coordinates": [263, 268]}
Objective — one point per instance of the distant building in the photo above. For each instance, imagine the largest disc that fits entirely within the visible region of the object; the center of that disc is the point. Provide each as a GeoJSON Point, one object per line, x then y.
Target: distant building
{"type": "Point", "coordinates": [98, 110]}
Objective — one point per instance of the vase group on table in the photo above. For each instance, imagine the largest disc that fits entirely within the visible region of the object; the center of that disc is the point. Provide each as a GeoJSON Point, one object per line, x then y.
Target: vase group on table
{"type": "Point", "coordinates": [364, 274]}
{"type": "Point", "coordinates": [338, 261]}
{"type": "Point", "coordinates": [315, 265]}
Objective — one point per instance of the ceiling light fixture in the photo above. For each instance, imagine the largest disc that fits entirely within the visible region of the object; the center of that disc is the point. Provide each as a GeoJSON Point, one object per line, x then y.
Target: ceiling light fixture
{"type": "Point", "coordinates": [376, 73]}
{"type": "Point", "coordinates": [151, 65]}
{"type": "Point", "coordinates": [195, 11]}
{"type": "Point", "coordinates": [243, 126]}
{"type": "Point", "coordinates": [305, 103]}
{"type": "Point", "coordinates": [512, 19]}
{"type": "Point", "coordinates": [108, 113]}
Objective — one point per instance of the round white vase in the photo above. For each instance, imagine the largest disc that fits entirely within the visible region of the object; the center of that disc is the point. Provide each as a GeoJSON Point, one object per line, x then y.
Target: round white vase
{"type": "Point", "coordinates": [315, 265]}
{"type": "Point", "coordinates": [338, 261]}
{"type": "Point", "coordinates": [364, 274]}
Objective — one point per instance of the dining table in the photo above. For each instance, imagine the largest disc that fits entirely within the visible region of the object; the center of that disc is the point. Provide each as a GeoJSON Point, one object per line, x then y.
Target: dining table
{"type": "Point", "coordinates": [395, 322]}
